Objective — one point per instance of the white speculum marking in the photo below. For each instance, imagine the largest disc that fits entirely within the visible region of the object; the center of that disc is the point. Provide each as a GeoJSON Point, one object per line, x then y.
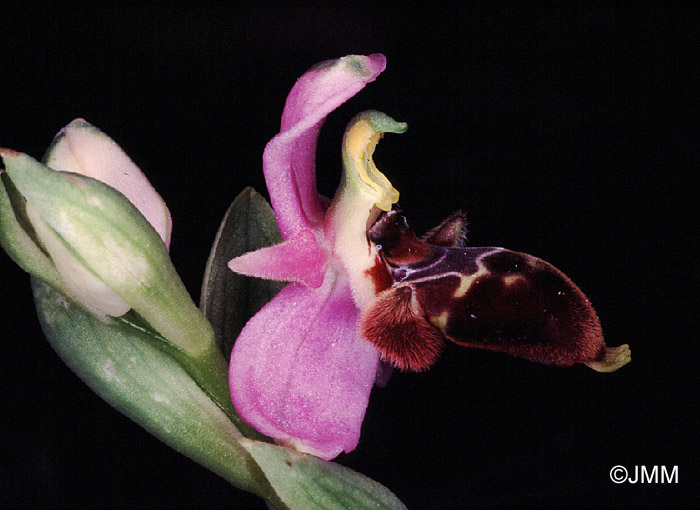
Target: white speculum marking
{"type": "Point", "coordinates": [465, 281]}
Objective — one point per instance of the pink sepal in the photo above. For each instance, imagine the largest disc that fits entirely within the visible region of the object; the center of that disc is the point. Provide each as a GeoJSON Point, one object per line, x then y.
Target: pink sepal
{"type": "Point", "coordinates": [299, 371]}
{"type": "Point", "coordinates": [298, 259]}
{"type": "Point", "coordinates": [289, 158]}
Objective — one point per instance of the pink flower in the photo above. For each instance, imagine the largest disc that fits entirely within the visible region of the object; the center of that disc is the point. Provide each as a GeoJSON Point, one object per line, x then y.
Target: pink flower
{"type": "Point", "coordinates": [300, 371]}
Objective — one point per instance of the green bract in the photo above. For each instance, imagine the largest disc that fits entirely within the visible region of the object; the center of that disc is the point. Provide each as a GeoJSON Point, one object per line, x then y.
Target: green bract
{"type": "Point", "coordinates": [129, 368]}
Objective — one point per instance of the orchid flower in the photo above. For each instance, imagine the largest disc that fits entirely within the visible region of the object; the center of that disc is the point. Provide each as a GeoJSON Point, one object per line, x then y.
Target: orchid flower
{"type": "Point", "coordinates": [300, 372]}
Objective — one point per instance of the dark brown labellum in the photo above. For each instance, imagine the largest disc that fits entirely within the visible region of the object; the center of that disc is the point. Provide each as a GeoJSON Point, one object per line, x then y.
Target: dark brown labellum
{"type": "Point", "coordinates": [488, 297]}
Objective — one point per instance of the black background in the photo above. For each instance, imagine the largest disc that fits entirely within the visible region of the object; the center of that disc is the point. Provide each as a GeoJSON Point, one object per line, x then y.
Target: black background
{"type": "Point", "coordinates": [568, 133]}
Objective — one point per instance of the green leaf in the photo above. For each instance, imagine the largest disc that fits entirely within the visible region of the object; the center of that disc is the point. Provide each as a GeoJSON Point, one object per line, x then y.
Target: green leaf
{"type": "Point", "coordinates": [229, 299]}
{"type": "Point", "coordinates": [307, 482]}
{"type": "Point", "coordinates": [127, 368]}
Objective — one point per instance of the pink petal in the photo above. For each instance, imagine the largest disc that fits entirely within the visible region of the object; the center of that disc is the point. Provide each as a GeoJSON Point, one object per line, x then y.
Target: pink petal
{"type": "Point", "coordinates": [289, 158]}
{"type": "Point", "coordinates": [82, 148]}
{"type": "Point", "coordinates": [298, 259]}
{"type": "Point", "coordinates": [299, 371]}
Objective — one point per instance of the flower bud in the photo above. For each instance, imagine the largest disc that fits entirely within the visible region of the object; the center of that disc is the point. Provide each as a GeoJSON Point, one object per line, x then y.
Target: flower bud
{"type": "Point", "coordinates": [106, 255]}
{"type": "Point", "coordinates": [82, 148]}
